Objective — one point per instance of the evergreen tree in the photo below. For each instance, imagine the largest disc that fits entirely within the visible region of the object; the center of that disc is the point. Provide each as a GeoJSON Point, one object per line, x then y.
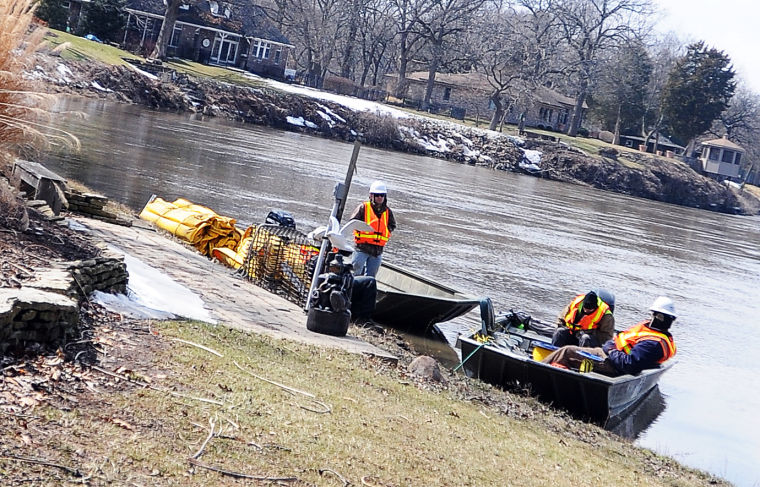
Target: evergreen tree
{"type": "Point", "coordinates": [698, 90]}
{"type": "Point", "coordinates": [104, 18]}
{"type": "Point", "coordinates": [54, 13]}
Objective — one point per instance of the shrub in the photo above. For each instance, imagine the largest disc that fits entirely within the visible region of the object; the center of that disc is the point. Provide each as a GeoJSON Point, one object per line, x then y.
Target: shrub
{"type": "Point", "coordinates": [583, 132]}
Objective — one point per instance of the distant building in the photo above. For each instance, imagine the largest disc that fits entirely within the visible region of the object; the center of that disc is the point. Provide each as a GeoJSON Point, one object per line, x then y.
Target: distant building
{"type": "Point", "coordinates": [470, 93]}
{"type": "Point", "coordinates": [235, 34]}
{"type": "Point", "coordinates": [664, 144]}
{"type": "Point", "coordinates": [721, 158]}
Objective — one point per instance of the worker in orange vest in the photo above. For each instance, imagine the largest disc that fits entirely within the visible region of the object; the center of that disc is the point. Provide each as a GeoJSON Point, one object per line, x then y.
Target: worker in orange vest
{"type": "Point", "coordinates": [587, 321]}
{"type": "Point", "coordinates": [645, 345]}
{"type": "Point", "coordinates": [370, 245]}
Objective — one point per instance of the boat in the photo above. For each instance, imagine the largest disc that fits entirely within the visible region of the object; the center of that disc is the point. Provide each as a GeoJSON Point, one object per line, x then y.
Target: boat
{"type": "Point", "coordinates": [415, 304]}
{"type": "Point", "coordinates": [511, 357]}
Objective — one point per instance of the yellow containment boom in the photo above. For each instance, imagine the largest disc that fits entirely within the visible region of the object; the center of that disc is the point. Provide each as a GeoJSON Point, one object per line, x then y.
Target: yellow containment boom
{"type": "Point", "coordinates": [195, 224]}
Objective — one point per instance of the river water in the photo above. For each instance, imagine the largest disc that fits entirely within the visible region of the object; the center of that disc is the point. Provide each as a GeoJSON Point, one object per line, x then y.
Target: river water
{"type": "Point", "coordinates": [528, 243]}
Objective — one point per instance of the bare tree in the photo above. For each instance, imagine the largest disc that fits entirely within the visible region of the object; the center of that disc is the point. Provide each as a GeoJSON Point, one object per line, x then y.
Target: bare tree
{"type": "Point", "coordinates": [665, 52]}
{"type": "Point", "coordinates": [406, 13]}
{"type": "Point", "coordinates": [518, 52]}
{"type": "Point", "coordinates": [376, 31]}
{"type": "Point", "coordinates": [437, 24]}
{"type": "Point", "coordinates": [593, 25]}
{"type": "Point", "coordinates": [315, 25]}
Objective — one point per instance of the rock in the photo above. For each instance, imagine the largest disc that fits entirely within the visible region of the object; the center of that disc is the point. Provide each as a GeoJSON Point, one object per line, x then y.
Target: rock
{"type": "Point", "coordinates": [426, 368]}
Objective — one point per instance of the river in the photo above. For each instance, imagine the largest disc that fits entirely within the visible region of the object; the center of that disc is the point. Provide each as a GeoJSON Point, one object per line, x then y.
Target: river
{"type": "Point", "coordinates": [528, 243]}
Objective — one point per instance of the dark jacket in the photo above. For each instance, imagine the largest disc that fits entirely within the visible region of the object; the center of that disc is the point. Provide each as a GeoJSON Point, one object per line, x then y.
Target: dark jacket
{"type": "Point", "coordinates": [644, 355]}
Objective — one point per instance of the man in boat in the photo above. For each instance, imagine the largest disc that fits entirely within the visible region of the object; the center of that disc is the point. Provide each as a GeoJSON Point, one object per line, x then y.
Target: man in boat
{"type": "Point", "coordinates": [369, 245]}
{"type": "Point", "coordinates": [587, 321]}
{"type": "Point", "coordinates": [642, 346]}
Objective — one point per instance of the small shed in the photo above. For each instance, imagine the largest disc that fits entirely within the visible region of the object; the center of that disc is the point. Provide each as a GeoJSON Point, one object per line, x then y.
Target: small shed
{"type": "Point", "coordinates": [721, 158]}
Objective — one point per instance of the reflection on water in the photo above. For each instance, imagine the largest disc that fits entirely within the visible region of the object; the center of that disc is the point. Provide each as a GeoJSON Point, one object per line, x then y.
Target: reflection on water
{"type": "Point", "coordinates": [633, 424]}
{"type": "Point", "coordinates": [527, 243]}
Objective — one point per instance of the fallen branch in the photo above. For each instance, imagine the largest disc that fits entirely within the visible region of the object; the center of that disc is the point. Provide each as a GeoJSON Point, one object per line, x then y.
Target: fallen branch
{"type": "Point", "coordinates": [203, 446]}
{"type": "Point", "coordinates": [239, 475]}
{"type": "Point", "coordinates": [210, 350]}
{"type": "Point", "coordinates": [324, 407]}
{"type": "Point", "coordinates": [287, 388]}
{"type": "Point", "coordinates": [72, 471]}
{"type": "Point", "coordinates": [323, 471]}
{"type": "Point", "coordinates": [165, 391]}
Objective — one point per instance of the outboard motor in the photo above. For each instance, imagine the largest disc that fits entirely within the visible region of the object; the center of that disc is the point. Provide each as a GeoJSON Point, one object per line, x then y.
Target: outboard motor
{"type": "Point", "coordinates": [330, 301]}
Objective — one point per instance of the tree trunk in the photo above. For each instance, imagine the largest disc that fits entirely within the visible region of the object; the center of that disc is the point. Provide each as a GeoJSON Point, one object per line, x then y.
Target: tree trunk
{"type": "Point", "coordinates": [403, 61]}
{"type": "Point", "coordinates": [616, 137]}
{"type": "Point", "coordinates": [498, 112]}
{"type": "Point", "coordinates": [167, 27]}
{"type": "Point", "coordinates": [434, 63]}
{"type": "Point", "coordinates": [575, 122]}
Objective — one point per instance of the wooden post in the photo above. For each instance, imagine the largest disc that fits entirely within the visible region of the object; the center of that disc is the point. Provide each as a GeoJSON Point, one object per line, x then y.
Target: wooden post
{"type": "Point", "coordinates": [349, 177]}
{"type": "Point", "coordinates": [340, 193]}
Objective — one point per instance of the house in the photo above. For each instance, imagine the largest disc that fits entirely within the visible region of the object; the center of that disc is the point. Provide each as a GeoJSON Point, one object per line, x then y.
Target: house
{"type": "Point", "coordinates": [664, 144]}
{"type": "Point", "coordinates": [721, 158]}
{"type": "Point", "coordinates": [470, 93]}
{"type": "Point", "coordinates": [235, 34]}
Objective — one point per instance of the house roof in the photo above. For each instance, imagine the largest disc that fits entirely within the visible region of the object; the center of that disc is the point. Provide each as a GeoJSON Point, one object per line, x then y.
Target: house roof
{"type": "Point", "coordinates": [479, 81]}
{"type": "Point", "coordinates": [724, 143]}
{"type": "Point", "coordinates": [662, 140]}
{"type": "Point", "coordinates": [246, 19]}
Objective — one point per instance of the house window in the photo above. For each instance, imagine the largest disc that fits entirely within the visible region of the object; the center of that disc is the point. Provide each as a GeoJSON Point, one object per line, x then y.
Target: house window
{"type": "Point", "coordinates": [738, 158]}
{"type": "Point", "coordinates": [728, 156]}
{"type": "Point", "coordinates": [714, 152]}
{"type": "Point", "coordinates": [628, 142]}
{"type": "Point", "coordinates": [176, 34]}
{"type": "Point", "coordinates": [447, 93]}
{"type": "Point", "coordinates": [547, 115]}
{"type": "Point", "coordinates": [262, 49]}
{"type": "Point", "coordinates": [66, 5]}
{"type": "Point", "coordinates": [278, 55]}
{"type": "Point", "coordinates": [214, 7]}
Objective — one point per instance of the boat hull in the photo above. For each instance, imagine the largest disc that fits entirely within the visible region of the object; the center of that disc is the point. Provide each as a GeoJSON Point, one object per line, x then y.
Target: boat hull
{"type": "Point", "coordinates": [415, 304]}
{"type": "Point", "coordinates": [592, 396]}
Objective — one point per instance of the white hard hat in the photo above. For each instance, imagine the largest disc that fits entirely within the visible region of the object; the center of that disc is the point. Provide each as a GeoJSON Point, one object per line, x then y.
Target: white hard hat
{"type": "Point", "coordinates": [663, 304]}
{"type": "Point", "coordinates": [378, 187]}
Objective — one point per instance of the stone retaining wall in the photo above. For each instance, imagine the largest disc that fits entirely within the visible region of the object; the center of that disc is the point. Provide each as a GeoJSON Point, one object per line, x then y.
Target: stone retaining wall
{"type": "Point", "coordinates": [92, 205]}
{"type": "Point", "coordinates": [46, 309]}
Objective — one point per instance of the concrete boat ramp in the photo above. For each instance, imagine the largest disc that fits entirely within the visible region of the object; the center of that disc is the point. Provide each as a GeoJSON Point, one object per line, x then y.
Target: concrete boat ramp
{"type": "Point", "coordinates": [230, 299]}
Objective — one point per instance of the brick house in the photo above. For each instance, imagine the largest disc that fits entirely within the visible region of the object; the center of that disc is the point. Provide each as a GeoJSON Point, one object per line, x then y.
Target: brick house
{"type": "Point", "coordinates": [211, 32]}
{"type": "Point", "coordinates": [470, 93]}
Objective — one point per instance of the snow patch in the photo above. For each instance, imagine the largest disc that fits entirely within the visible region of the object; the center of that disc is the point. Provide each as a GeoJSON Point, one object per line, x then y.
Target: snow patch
{"type": "Point", "coordinates": [152, 291]}
{"type": "Point", "coordinates": [99, 87]}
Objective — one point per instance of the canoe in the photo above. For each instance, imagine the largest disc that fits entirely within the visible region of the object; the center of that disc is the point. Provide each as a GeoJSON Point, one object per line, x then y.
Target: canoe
{"type": "Point", "coordinates": [415, 304]}
{"type": "Point", "coordinates": [506, 360]}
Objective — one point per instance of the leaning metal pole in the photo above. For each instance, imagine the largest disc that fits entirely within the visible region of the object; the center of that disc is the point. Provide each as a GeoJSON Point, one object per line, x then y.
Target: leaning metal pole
{"type": "Point", "coordinates": [340, 193]}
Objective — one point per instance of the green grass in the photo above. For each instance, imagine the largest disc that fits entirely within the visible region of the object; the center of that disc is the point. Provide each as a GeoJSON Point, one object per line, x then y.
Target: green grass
{"type": "Point", "coordinates": [81, 49]}
{"type": "Point", "coordinates": [382, 428]}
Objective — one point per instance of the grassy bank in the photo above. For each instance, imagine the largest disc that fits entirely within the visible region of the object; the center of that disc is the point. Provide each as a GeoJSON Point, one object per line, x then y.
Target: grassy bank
{"type": "Point", "coordinates": [231, 404]}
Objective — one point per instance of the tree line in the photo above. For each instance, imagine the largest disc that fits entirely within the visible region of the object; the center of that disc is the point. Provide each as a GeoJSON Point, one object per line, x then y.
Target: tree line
{"type": "Point", "coordinates": [604, 54]}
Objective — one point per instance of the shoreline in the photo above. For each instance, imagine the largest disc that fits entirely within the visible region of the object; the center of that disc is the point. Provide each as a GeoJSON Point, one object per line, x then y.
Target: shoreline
{"type": "Point", "coordinates": [620, 171]}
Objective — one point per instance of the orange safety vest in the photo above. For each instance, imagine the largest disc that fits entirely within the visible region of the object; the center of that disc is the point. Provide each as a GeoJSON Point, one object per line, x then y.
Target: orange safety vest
{"type": "Point", "coordinates": [626, 340]}
{"type": "Point", "coordinates": [380, 224]}
{"type": "Point", "coordinates": [587, 322]}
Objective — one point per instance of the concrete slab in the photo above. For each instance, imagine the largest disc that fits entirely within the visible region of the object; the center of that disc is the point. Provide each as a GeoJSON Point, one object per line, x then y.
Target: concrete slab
{"type": "Point", "coordinates": [232, 300]}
